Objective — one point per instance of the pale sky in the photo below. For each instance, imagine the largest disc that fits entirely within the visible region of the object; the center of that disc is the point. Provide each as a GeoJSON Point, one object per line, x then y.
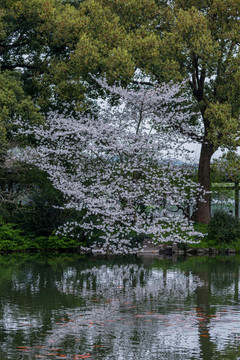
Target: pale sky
{"type": "Point", "coordinates": [196, 148]}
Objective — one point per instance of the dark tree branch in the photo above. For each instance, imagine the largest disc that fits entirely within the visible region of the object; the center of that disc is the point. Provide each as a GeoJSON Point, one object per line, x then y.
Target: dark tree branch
{"type": "Point", "coordinates": [191, 134]}
{"type": "Point", "coordinates": [20, 65]}
{"type": "Point", "coordinates": [143, 83]}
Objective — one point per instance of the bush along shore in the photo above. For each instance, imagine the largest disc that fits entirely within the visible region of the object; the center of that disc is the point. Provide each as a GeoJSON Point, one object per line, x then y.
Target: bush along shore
{"type": "Point", "coordinates": [220, 236]}
{"type": "Point", "coordinates": [184, 250]}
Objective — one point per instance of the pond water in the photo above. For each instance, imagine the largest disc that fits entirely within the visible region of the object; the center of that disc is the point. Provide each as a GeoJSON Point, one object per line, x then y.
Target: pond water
{"type": "Point", "coordinates": [60, 306]}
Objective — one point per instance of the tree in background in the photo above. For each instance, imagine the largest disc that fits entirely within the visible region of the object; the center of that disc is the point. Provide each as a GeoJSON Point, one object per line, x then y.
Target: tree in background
{"type": "Point", "coordinates": [14, 103]}
{"type": "Point", "coordinates": [29, 200]}
{"type": "Point", "coordinates": [226, 169]}
{"type": "Point", "coordinates": [115, 168]}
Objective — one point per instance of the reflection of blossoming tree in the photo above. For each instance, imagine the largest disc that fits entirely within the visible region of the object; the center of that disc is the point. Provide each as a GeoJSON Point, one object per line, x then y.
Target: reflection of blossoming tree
{"type": "Point", "coordinates": [112, 168]}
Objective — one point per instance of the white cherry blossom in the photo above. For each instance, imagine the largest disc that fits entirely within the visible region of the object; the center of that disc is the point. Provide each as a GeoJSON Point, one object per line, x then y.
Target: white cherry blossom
{"type": "Point", "coordinates": [118, 168]}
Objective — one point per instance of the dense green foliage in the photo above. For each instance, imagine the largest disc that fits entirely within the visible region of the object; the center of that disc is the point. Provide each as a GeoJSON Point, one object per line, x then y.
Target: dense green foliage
{"type": "Point", "coordinates": [30, 200]}
{"type": "Point", "coordinates": [13, 238]}
{"type": "Point", "coordinates": [54, 45]}
{"type": "Point", "coordinates": [223, 228]}
{"type": "Point", "coordinates": [49, 47]}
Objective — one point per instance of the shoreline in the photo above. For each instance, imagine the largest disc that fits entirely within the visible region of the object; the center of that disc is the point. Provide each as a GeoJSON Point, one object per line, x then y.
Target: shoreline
{"type": "Point", "coordinates": [183, 250]}
{"type": "Point", "coordinates": [161, 250]}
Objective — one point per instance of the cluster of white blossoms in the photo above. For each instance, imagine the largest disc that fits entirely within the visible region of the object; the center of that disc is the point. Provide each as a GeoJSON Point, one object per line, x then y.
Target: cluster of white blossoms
{"type": "Point", "coordinates": [117, 169]}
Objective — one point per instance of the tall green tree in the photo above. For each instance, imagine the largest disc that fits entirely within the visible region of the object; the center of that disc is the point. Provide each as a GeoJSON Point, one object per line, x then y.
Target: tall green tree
{"type": "Point", "coordinates": [21, 61]}
{"type": "Point", "coordinates": [201, 38]}
{"type": "Point", "coordinates": [14, 103]}
{"type": "Point", "coordinates": [47, 50]}
{"type": "Point", "coordinates": [49, 47]}
{"type": "Point", "coordinates": [36, 39]}
{"type": "Point", "coordinates": [174, 40]}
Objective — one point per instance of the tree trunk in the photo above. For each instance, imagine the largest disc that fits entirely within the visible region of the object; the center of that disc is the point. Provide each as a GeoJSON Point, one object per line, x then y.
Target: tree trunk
{"type": "Point", "coordinates": [203, 212]}
{"type": "Point", "coordinates": [236, 200]}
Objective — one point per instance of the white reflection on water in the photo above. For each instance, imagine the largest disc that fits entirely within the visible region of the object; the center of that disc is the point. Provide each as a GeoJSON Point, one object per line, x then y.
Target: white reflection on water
{"type": "Point", "coordinates": [132, 311]}
{"type": "Point", "coordinates": [225, 327]}
{"type": "Point", "coordinates": [131, 282]}
{"type": "Point", "coordinates": [154, 333]}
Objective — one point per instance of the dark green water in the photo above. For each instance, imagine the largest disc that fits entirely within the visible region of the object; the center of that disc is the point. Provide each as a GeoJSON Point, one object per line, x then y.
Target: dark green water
{"type": "Point", "coordinates": [67, 307]}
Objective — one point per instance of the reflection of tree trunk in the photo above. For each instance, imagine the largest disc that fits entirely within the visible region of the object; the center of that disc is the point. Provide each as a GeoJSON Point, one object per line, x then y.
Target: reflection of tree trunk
{"type": "Point", "coordinates": [236, 285]}
{"type": "Point", "coordinates": [203, 311]}
{"type": "Point", "coordinates": [165, 278]}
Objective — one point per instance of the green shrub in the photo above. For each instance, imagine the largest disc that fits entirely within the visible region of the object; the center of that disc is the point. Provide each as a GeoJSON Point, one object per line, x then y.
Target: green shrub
{"type": "Point", "coordinates": [223, 228]}
{"type": "Point", "coordinates": [58, 242]}
{"type": "Point", "coordinates": [12, 238]}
